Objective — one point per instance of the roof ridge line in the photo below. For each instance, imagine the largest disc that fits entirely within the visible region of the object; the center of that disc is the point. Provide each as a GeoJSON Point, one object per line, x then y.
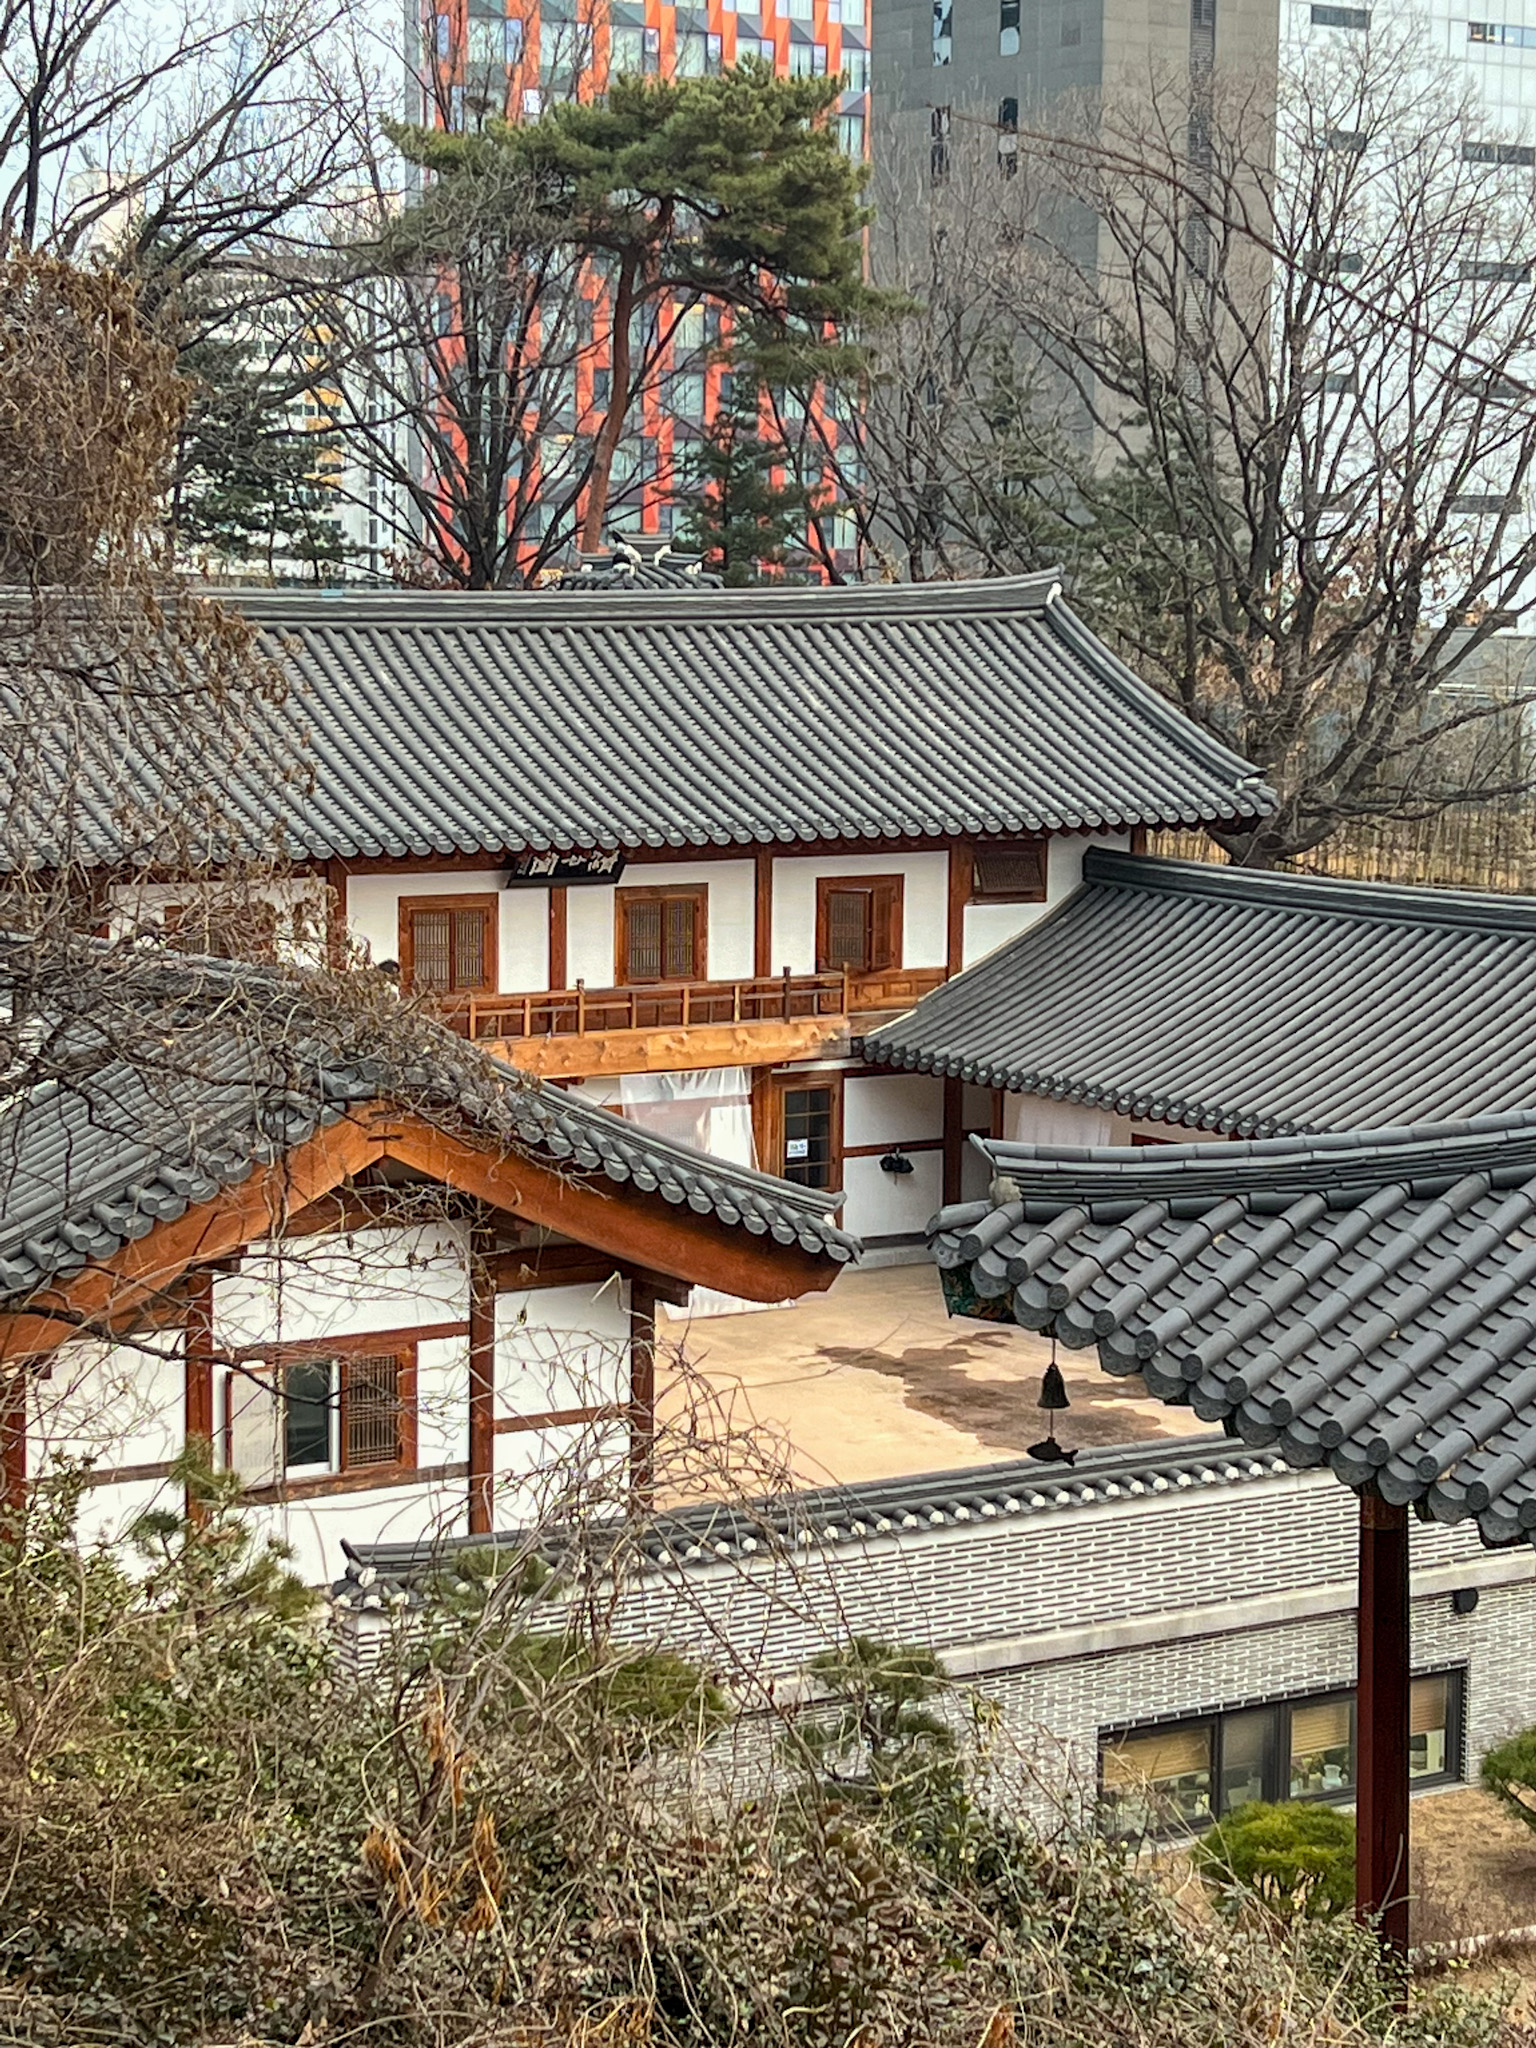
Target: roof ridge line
{"type": "Point", "coordinates": [1332, 895]}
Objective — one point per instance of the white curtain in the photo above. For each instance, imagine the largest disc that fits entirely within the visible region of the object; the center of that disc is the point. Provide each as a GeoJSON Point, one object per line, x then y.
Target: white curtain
{"type": "Point", "coordinates": [1037, 1120]}
{"type": "Point", "coordinates": [712, 1111]}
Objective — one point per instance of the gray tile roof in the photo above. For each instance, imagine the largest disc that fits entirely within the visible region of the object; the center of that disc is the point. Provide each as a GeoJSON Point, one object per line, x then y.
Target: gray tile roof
{"type": "Point", "coordinates": [385, 1575]}
{"type": "Point", "coordinates": [628, 568]}
{"type": "Point", "coordinates": [468, 724]}
{"type": "Point", "coordinates": [229, 1067]}
{"type": "Point", "coordinates": [1365, 1300]}
{"type": "Point", "coordinates": [1253, 1003]}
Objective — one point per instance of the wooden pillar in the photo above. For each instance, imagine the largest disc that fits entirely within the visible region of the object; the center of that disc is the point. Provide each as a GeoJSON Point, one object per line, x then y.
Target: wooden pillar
{"type": "Point", "coordinates": [13, 1440]}
{"type": "Point", "coordinates": [335, 914]}
{"type": "Point", "coordinates": [954, 1139]}
{"type": "Point", "coordinates": [962, 862]}
{"type": "Point", "coordinates": [559, 967]}
{"type": "Point", "coordinates": [197, 1373]}
{"type": "Point", "coordinates": [762, 916]}
{"type": "Point", "coordinates": [642, 1392]}
{"type": "Point", "coordinates": [482, 1379]}
{"type": "Point", "coordinates": [999, 1102]}
{"type": "Point", "coordinates": [1381, 1722]}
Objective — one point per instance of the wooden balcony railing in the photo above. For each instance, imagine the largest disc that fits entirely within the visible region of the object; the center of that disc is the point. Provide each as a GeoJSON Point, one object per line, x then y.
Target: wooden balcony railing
{"type": "Point", "coordinates": [670, 1006]}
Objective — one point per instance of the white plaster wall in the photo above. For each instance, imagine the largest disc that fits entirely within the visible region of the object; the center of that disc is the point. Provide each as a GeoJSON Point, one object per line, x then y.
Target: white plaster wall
{"type": "Point", "coordinates": [989, 925]}
{"type": "Point", "coordinates": [1037, 1120]}
{"type": "Point", "coordinates": [385, 1279]}
{"type": "Point", "coordinates": [888, 1204]}
{"type": "Point", "coordinates": [925, 904]}
{"type": "Point", "coordinates": [539, 1472]}
{"type": "Point", "coordinates": [300, 902]}
{"type": "Point", "coordinates": [314, 1529]}
{"type": "Point", "coordinates": [522, 922]}
{"type": "Point", "coordinates": [117, 1404]}
{"type": "Point", "coordinates": [562, 1347]}
{"type": "Point", "coordinates": [589, 935]}
{"type": "Point", "coordinates": [892, 1109]}
{"type": "Point", "coordinates": [732, 901]}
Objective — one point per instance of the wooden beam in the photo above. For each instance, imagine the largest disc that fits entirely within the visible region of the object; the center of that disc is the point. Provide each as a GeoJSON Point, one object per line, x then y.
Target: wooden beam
{"type": "Point", "coordinates": [13, 1440]}
{"type": "Point", "coordinates": [335, 914]}
{"type": "Point", "coordinates": [1381, 1722]}
{"type": "Point", "coordinates": [482, 1380]}
{"type": "Point", "coordinates": [558, 1418]}
{"type": "Point", "coordinates": [559, 925]}
{"type": "Point", "coordinates": [999, 1102]}
{"type": "Point", "coordinates": [762, 914]}
{"type": "Point", "coordinates": [954, 1140]}
{"type": "Point", "coordinates": [197, 1373]}
{"type": "Point", "coordinates": [642, 1393]}
{"type": "Point", "coordinates": [643, 1230]}
{"type": "Point", "coordinates": [675, 1049]}
{"type": "Point", "coordinates": [113, 1295]}
{"type": "Point", "coordinates": [961, 874]}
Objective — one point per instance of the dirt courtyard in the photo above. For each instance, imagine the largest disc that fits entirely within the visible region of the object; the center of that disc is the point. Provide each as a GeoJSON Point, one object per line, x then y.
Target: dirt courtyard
{"type": "Point", "coordinates": [875, 1381]}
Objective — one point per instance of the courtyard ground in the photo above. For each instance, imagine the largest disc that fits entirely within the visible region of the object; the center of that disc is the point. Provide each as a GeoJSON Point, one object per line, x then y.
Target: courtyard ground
{"type": "Point", "coordinates": [874, 1380]}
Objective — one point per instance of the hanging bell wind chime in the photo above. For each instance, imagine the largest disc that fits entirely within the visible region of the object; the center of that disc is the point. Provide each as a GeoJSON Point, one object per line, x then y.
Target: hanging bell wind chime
{"type": "Point", "coordinates": [1053, 1398]}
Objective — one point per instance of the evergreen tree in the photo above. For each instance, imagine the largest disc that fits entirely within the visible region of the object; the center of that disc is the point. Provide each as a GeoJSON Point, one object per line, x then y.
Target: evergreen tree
{"type": "Point", "coordinates": [737, 515]}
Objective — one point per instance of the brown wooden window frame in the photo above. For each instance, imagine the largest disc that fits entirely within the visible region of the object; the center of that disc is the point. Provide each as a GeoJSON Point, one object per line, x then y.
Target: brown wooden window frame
{"type": "Point", "coordinates": [770, 1132]}
{"type": "Point", "coordinates": [487, 904]}
{"type": "Point", "coordinates": [344, 1471]}
{"type": "Point", "coordinates": [624, 901]}
{"type": "Point", "coordinates": [1023, 889]}
{"type": "Point", "coordinates": [887, 909]}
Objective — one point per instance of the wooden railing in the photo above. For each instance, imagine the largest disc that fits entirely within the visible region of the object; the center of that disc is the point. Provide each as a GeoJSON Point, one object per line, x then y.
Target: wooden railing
{"type": "Point", "coordinates": [670, 1006]}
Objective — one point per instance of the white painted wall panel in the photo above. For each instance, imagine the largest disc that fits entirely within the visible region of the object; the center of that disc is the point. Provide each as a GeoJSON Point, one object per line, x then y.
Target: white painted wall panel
{"type": "Point", "coordinates": [115, 1404]}
{"type": "Point", "coordinates": [589, 934]}
{"type": "Point", "coordinates": [562, 1347]}
{"type": "Point", "coordinates": [887, 1204]}
{"type": "Point", "coordinates": [327, 1286]}
{"type": "Point", "coordinates": [373, 902]}
{"type": "Point", "coordinates": [892, 1109]}
{"type": "Point", "coordinates": [925, 904]}
{"type": "Point", "coordinates": [314, 1529]}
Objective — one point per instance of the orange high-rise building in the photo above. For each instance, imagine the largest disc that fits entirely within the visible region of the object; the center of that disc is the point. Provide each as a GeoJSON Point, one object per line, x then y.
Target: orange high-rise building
{"type": "Point", "coordinates": [513, 57]}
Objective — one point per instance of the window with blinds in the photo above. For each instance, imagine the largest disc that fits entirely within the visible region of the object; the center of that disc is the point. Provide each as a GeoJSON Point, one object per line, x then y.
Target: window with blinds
{"type": "Point", "coordinates": [448, 945]}
{"type": "Point", "coordinates": [1012, 873]}
{"type": "Point", "coordinates": [858, 924]}
{"type": "Point", "coordinates": [660, 935]}
{"type": "Point", "coordinates": [1179, 1776]}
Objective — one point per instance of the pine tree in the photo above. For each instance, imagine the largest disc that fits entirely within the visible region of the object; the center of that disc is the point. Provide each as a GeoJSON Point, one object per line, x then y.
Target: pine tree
{"type": "Point", "coordinates": [737, 515]}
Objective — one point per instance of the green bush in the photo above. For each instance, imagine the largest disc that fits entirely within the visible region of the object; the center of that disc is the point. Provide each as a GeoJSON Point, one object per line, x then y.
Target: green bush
{"type": "Point", "coordinates": [1509, 1773]}
{"type": "Point", "coordinates": [1296, 1857]}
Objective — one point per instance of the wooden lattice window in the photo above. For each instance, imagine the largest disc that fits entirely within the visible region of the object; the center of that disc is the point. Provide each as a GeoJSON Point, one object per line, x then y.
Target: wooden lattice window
{"type": "Point", "coordinates": [660, 935]}
{"type": "Point", "coordinates": [345, 1408]}
{"type": "Point", "coordinates": [858, 924]}
{"type": "Point", "coordinates": [1009, 873]}
{"type": "Point", "coordinates": [448, 944]}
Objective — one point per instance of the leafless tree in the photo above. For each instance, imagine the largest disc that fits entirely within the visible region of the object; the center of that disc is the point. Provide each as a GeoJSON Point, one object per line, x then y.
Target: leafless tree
{"type": "Point", "coordinates": [1268, 394]}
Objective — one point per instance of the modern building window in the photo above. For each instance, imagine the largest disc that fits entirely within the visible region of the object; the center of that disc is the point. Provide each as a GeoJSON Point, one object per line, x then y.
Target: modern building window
{"type": "Point", "coordinates": [1489, 270]}
{"type": "Point", "coordinates": [1517, 153]}
{"type": "Point", "coordinates": [1011, 873]}
{"type": "Point", "coordinates": [807, 60]}
{"type": "Point", "coordinates": [660, 935]}
{"type": "Point", "coordinates": [1334, 263]}
{"type": "Point", "coordinates": [1185, 1774]}
{"type": "Point", "coordinates": [1341, 17]}
{"type": "Point", "coordinates": [1071, 34]}
{"type": "Point", "coordinates": [689, 58]}
{"type": "Point", "coordinates": [1484, 502]}
{"type": "Point", "coordinates": [1008, 136]}
{"type": "Point", "coordinates": [856, 69]}
{"type": "Point", "coordinates": [304, 1413]}
{"type": "Point", "coordinates": [626, 52]}
{"type": "Point", "coordinates": [1008, 28]}
{"type": "Point", "coordinates": [938, 146]}
{"type": "Point", "coordinates": [850, 136]}
{"type": "Point", "coordinates": [448, 944]}
{"type": "Point", "coordinates": [943, 31]}
{"type": "Point", "coordinates": [1506, 32]}
{"type": "Point", "coordinates": [858, 924]}
{"type": "Point", "coordinates": [1345, 141]}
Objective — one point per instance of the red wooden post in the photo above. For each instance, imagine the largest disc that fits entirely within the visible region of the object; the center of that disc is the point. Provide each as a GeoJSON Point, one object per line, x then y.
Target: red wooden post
{"type": "Point", "coordinates": [1381, 1722]}
{"type": "Point", "coordinates": [13, 1440]}
{"type": "Point", "coordinates": [954, 1139]}
{"type": "Point", "coordinates": [197, 1370]}
{"type": "Point", "coordinates": [482, 1380]}
{"type": "Point", "coordinates": [642, 1392]}
{"type": "Point", "coordinates": [788, 978]}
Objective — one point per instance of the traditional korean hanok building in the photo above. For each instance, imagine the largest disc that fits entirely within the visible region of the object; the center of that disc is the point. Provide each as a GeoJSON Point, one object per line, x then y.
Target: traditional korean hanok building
{"type": "Point", "coordinates": [1163, 995]}
{"type": "Point", "coordinates": [673, 847]}
{"type": "Point", "coordinates": [397, 1287]}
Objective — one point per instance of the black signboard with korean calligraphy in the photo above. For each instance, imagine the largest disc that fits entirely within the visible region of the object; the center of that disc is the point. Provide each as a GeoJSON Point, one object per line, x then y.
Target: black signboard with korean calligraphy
{"type": "Point", "coordinates": [530, 869]}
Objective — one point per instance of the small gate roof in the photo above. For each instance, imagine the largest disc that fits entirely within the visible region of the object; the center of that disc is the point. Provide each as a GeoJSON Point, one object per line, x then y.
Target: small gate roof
{"type": "Point", "coordinates": [1260, 1004]}
{"type": "Point", "coordinates": [1365, 1300]}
